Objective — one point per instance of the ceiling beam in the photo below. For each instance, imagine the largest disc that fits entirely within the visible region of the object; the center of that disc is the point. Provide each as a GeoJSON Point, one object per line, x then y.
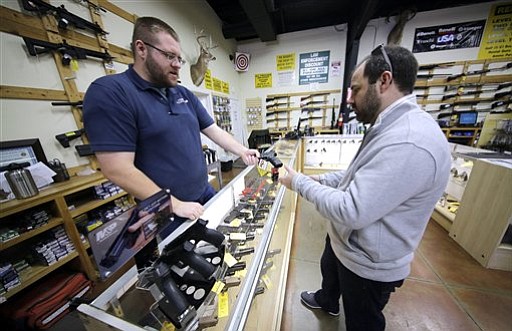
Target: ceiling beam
{"type": "Point", "coordinates": [260, 18]}
{"type": "Point", "coordinates": [360, 17]}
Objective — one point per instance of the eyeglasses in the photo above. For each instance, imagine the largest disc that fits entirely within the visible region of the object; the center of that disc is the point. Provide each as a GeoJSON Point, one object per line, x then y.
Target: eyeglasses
{"type": "Point", "coordinates": [382, 51]}
{"type": "Point", "coordinates": [170, 56]}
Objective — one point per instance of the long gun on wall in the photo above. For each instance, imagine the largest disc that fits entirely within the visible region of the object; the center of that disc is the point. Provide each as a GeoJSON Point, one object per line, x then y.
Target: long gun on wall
{"type": "Point", "coordinates": [68, 52]}
{"type": "Point", "coordinates": [63, 16]}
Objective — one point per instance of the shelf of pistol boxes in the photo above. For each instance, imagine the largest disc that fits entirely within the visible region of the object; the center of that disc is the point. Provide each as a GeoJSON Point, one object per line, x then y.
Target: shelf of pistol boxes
{"type": "Point", "coordinates": [466, 136]}
{"type": "Point", "coordinates": [42, 217]}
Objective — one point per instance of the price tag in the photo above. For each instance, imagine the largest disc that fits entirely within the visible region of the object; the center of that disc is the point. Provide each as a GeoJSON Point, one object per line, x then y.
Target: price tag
{"type": "Point", "coordinates": [218, 286]}
{"type": "Point", "coordinates": [74, 65]}
{"type": "Point", "coordinates": [235, 223]}
{"type": "Point", "coordinates": [241, 273]}
{"type": "Point", "coordinates": [238, 236]}
{"type": "Point", "coordinates": [167, 326]}
{"type": "Point", "coordinates": [229, 259]}
{"type": "Point", "coordinates": [223, 305]}
{"type": "Point", "coordinates": [267, 281]}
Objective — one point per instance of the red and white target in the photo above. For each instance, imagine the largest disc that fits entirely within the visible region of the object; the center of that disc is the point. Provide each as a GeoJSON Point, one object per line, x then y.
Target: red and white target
{"type": "Point", "coordinates": [242, 61]}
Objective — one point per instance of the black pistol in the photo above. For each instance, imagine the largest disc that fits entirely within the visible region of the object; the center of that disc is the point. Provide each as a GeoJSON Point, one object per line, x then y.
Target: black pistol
{"type": "Point", "coordinates": [125, 238]}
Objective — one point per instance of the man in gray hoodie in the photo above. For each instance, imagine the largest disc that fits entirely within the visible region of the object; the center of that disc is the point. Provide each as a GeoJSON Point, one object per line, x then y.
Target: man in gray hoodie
{"type": "Point", "coordinates": [379, 207]}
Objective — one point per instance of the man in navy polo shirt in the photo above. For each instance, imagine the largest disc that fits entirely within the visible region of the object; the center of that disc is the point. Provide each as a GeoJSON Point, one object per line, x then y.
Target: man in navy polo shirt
{"type": "Point", "coordinates": [145, 128]}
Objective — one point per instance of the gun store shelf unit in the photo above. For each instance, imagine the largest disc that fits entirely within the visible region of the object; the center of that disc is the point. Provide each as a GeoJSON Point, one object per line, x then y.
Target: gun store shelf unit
{"type": "Point", "coordinates": [463, 136]}
{"type": "Point", "coordinates": [29, 225]}
{"type": "Point", "coordinates": [476, 208]}
{"type": "Point", "coordinates": [479, 85]}
{"type": "Point", "coordinates": [316, 109]}
{"type": "Point", "coordinates": [250, 297]}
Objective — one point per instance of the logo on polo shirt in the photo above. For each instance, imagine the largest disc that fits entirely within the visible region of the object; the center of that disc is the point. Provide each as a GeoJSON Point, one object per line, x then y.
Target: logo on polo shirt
{"type": "Point", "coordinates": [181, 100]}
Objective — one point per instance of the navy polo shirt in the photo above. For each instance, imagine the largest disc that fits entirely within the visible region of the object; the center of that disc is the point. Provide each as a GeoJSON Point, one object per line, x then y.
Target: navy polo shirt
{"type": "Point", "coordinates": [124, 113]}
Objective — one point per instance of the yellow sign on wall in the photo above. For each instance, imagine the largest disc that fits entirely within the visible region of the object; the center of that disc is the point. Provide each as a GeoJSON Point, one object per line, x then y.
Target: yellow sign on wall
{"type": "Point", "coordinates": [217, 84]}
{"type": "Point", "coordinates": [497, 39]}
{"type": "Point", "coordinates": [225, 87]}
{"type": "Point", "coordinates": [208, 79]}
{"type": "Point", "coordinates": [285, 61]}
{"type": "Point", "coordinates": [263, 80]}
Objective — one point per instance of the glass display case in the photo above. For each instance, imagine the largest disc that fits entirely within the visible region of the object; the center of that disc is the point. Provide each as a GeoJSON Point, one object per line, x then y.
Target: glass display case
{"type": "Point", "coordinates": [256, 214]}
{"type": "Point", "coordinates": [330, 152]}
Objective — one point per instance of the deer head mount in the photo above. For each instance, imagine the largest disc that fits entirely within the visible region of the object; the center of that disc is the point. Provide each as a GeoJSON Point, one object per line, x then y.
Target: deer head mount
{"type": "Point", "coordinates": [198, 70]}
{"type": "Point", "coordinates": [395, 35]}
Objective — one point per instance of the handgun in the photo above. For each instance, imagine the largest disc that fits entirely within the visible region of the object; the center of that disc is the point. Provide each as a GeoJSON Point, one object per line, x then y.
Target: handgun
{"type": "Point", "coordinates": [65, 138]}
{"type": "Point", "coordinates": [125, 238]}
{"type": "Point", "coordinates": [271, 157]}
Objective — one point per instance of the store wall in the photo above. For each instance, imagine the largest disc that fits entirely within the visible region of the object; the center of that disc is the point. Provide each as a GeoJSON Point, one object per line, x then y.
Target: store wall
{"type": "Point", "coordinates": [263, 55]}
{"type": "Point", "coordinates": [22, 119]}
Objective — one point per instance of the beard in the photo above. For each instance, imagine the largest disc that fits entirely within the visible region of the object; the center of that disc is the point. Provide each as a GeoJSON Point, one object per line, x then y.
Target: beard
{"type": "Point", "coordinates": [158, 75]}
{"type": "Point", "coordinates": [369, 108]}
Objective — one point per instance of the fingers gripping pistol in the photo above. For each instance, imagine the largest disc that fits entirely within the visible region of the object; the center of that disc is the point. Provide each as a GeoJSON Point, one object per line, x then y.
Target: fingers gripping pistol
{"type": "Point", "coordinates": [271, 157]}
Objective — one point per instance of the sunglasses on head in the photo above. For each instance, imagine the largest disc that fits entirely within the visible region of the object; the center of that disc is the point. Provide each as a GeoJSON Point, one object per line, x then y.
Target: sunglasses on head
{"type": "Point", "coordinates": [381, 50]}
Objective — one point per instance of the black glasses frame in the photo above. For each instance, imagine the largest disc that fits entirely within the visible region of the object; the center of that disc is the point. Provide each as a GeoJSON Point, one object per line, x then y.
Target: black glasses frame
{"type": "Point", "coordinates": [170, 56]}
{"type": "Point", "coordinates": [382, 51]}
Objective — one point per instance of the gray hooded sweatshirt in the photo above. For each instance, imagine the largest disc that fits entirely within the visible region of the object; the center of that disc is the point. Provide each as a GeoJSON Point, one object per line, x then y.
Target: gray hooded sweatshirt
{"type": "Point", "coordinates": [379, 207]}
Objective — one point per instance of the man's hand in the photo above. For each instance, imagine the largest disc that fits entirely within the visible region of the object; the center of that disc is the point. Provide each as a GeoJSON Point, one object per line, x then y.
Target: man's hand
{"type": "Point", "coordinates": [141, 238]}
{"type": "Point", "coordinates": [250, 156]}
{"type": "Point", "coordinates": [286, 180]}
{"type": "Point", "coordinates": [190, 210]}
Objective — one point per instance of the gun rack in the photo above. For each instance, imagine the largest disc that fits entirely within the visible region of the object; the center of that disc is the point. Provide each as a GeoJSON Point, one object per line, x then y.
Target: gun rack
{"type": "Point", "coordinates": [45, 32]}
{"type": "Point", "coordinates": [283, 111]}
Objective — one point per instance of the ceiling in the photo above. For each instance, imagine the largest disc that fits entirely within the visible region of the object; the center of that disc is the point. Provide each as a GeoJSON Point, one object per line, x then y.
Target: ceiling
{"type": "Point", "coordinates": [265, 19]}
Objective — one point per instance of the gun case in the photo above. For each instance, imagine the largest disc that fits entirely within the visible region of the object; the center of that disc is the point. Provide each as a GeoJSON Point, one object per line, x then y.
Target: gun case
{"type": "Point", "coordinates": [46, 303]}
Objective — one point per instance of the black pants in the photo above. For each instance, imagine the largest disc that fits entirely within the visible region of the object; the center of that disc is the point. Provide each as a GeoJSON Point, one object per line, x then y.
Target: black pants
{"type": "Point", "coordinates": [363, 299]}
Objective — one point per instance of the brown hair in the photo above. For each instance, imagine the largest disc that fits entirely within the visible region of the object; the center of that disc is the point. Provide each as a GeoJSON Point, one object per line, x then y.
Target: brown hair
{"type": "Point", "coordinates": [147, 27]}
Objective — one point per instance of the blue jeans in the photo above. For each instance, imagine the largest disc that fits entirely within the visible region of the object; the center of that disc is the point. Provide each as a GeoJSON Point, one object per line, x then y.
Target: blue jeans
{"type": "Point", "coordinates": [363, 299]}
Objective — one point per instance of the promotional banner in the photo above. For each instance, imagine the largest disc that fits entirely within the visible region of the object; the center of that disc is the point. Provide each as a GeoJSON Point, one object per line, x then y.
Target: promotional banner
{"type": "Point", "coordinates": [314, 67]}
{"type": "Point", "coordinates": [449, 36]}
{"type": "Point", "coordinates": [497, 39]}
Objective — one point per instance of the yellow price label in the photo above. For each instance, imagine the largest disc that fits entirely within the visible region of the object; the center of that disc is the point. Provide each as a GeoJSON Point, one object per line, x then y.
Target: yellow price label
{"type": "Point", "coordinates": [167, 326]}
{"type": "Point", "coordinates": [229, 259]}
{"type": "Point", "coordinates": [223, 305]}
{"type": "Point", "coordinates": [267, 281]}
{"type": "Point", "coordinates": [241, 273]}
{"type": "Point", "coordinates": [218, 286]}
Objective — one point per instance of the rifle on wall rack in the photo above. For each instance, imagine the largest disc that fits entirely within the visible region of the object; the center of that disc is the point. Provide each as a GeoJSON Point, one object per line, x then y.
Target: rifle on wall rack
{"type": "Point", "coordinates": [96, 7]}
{"type": "Point", "coordinates": [499, 87]}
{"type": "Point", "coordinates": [63, 16]}
{"type": "Point", "coordinates": [436, 65]}
{"type": "Point", "coordinates": [478, 72]}
{"type": "Point", "coordinates": [333, 114]}
{"type": "Point", "coordinates": [68, 52]}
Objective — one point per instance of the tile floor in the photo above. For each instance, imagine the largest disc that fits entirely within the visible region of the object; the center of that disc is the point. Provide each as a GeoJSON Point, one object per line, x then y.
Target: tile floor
{"type": "Point", "coordinates": [447, 288]}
